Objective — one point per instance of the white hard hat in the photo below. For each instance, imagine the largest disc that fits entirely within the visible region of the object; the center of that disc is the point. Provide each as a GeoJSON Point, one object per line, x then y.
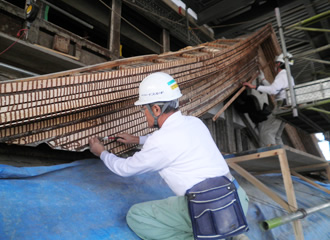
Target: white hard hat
{"type": "Point", "coordinates": [280, 58]}
{"type": "Point", "coordinates": [158, 87]}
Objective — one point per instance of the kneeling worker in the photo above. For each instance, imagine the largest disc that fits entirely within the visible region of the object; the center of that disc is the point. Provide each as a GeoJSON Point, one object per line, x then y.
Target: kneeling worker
{"type": "Point", "coordinates": [183, 152]}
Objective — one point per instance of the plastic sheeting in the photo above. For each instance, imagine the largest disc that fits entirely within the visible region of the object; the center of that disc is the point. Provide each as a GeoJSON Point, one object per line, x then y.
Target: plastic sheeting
{"type": "Point", "coordinates": [261, 207]}
{"type": "Point", "coordinates": [84, 200]}
{"type": "Point", "coordinates": [80, 200]}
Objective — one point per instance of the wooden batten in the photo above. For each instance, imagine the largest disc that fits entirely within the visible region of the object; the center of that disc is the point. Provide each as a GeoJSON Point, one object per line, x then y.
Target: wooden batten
{"type": "Point", "coordinates": [65, 109]}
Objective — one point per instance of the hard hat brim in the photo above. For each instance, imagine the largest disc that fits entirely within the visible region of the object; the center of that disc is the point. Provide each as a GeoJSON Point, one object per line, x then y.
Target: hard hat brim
{"type": "Point", "coordinates": [141, 102]}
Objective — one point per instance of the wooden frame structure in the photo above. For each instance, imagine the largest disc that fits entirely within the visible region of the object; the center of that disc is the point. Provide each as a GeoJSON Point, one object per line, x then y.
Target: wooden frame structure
{"type": "Point", "coordinates": [274, 159]}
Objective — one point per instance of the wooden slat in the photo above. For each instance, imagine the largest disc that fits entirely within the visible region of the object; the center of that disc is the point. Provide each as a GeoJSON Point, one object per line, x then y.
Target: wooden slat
{"type": "Point", "coordinates": [310, 181]}
{"type": "Point", "coordinates": [259, 185]}
{"type": "Point", "coordinates": [64, 109]}
{"type": "Point", "coordinates": [232, 100]}
{"type": "Point", "coordinates": [290, 192]}
{"type": "Point", "coordinates": [253, 156]}
{"type": "Point", "coordinates": [287, 180]}
{"type": "Point", "coordinates": [91, 68]}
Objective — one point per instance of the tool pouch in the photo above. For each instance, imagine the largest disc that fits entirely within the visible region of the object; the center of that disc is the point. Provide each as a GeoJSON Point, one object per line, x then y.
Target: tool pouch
{"type": "Point", "coordinates": [215, 209]}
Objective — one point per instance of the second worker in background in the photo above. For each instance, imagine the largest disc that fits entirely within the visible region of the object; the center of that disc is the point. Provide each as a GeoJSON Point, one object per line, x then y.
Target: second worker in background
{"type": "Point", "coordinates": [270, 131]}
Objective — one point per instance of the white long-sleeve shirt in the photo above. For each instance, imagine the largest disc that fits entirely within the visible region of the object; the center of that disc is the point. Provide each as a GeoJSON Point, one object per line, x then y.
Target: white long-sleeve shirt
{"type": "Point", "coordinates": [182, 151]}
{"type": "Point", "coordinates": [278, 87]}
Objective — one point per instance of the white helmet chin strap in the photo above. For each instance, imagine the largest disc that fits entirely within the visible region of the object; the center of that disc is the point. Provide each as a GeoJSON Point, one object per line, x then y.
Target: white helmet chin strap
{"type": "Point", "coordinates": [148, 106]}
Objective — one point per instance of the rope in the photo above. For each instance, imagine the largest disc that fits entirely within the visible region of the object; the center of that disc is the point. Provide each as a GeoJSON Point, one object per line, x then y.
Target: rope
{"type": "Point", "coordinates": [19, 35]}
{"type": "Point", "coordinates": [266, 203]}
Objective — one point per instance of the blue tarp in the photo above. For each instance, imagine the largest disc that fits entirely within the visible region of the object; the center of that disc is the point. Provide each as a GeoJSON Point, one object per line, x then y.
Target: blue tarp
{"type": "Point", "coordinates": [84, 200]}
{"type": "Point", "coordinates": [261, 208]}
{"type": "Point", "coordinates": [79, 200]}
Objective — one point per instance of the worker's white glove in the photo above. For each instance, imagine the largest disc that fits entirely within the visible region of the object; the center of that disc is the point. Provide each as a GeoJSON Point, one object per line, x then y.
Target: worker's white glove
{"type": "Point", "coordinates": [262, 80]}
{"type": "Point", "coordinates": [261, 76]}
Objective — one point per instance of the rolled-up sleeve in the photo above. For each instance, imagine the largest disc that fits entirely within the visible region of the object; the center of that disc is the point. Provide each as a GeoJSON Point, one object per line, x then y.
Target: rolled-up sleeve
{"type": "Point", "coordinates": [143, 139]}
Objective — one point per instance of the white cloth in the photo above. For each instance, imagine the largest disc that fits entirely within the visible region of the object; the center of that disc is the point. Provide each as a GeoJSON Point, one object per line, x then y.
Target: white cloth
{"type": "Point", "coordinates": [278, 87]}
{"type": "Point", "coordinates": [182, 150]}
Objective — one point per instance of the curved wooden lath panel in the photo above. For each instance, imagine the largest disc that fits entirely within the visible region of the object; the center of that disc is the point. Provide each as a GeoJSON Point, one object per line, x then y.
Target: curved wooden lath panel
{"type": "Point", "coordinates": [65, 109]}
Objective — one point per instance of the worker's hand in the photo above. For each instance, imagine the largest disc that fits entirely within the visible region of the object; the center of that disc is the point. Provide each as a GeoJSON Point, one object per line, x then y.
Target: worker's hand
{"type": "Point", "coordinates": [95, 146]}
{"type": "Point", "coordinates": [128, 138]}
{"type": "Point", "coordinates": [249, 85]}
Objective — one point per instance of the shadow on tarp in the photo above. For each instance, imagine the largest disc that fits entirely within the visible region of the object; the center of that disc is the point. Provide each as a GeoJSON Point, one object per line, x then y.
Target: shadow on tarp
{"type": "Point", "coordinates": [85, 200]}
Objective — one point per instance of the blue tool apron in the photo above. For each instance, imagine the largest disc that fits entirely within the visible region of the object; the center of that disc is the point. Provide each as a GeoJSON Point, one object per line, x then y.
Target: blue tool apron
{"type": "Point", "coordinates": [215, 209]}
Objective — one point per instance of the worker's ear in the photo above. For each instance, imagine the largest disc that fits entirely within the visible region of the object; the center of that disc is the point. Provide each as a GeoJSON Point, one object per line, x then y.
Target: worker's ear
{"type": "Point", "coordinates": [156, 110]}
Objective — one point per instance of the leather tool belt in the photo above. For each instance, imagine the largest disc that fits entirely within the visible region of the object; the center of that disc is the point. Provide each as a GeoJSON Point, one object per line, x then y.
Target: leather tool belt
{"type": "Point", "coordinates": [215, 209]}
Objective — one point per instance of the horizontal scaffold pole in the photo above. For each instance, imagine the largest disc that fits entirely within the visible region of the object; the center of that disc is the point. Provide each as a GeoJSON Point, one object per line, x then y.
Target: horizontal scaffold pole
{"type": "Point", "coordinates": [301, 213]}
{"type": "Point", "coordinates": [312, 29]}
{"type": "Point", "coordinates": [311, 20]}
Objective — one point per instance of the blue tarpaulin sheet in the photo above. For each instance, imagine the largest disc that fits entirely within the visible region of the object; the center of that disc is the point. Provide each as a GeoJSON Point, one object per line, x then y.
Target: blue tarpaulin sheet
{"type": "Point", "coordinates": [261, 208]}
{"type": "Point", "coordinates": [84, 200]}
{"type": "Point", "coordinates": [79, 200]}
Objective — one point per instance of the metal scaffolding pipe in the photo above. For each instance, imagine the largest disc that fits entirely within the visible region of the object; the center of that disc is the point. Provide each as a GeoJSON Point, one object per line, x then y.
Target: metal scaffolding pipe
{"type": "Point", "coordinates": [311, 29]}
{"type": "Point", "coordinates": [301, 213]}
{"type": "Point", "coordinates": [316, 60]}
{"type": "Point", "coordinates": [18, 69]}
{"type": "Point", "coordinates": [319, 110]}
{"type": "Point", "coordinates": [288, 71]}
{"type": "Point", "coordinates": [320, 49]}
{"type": "Point", "coordinates": [311, 20]}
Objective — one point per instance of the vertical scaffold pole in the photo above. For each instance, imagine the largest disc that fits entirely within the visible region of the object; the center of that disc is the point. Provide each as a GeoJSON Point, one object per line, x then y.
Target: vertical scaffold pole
{"type": "Point", "coordinates": [288, 70]}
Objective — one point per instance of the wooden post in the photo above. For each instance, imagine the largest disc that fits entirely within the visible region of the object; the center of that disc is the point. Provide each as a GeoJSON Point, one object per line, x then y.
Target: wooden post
{"type": "Point", "coordinates": [77, 52]}
{"type": "Point", "coordinates": [290, 192]}
{"type": "Point", "coordinates": [211, 126]}
{"type": "Point", "coordinates": [238, 137]}
{"type": "Point", "coordinates": [114, 39]}
{"type": "Point", "coordinates": [165, 41]}
{"type": "Point", "coordinates": [221, 136]}
{"type": "Point", "coordinates": [230, 130]}
{"type": "Point", "coordinates": [252, 134]}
